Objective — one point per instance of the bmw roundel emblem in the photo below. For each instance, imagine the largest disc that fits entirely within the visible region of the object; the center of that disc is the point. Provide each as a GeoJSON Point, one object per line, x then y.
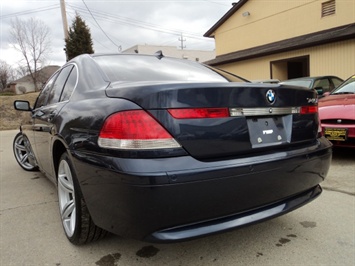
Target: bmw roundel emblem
{"type": "Point", "coordinates": [270, 96]}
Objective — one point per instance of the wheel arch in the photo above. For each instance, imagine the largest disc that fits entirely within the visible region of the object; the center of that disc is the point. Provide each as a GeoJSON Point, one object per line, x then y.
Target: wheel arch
{"type": "Point", "coordinates": [58, 149]}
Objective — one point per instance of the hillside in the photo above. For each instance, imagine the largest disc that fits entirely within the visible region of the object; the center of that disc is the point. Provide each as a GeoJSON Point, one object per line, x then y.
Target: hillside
{"type": "Point", "coordinates": [9, 117]}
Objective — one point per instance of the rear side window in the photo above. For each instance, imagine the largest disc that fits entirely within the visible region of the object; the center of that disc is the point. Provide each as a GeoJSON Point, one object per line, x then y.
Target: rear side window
{"type": "Point", "coordinates": [43, 96]}
{"type": "Point", "coordinates": [58, 85]}
{"type": "Point", "coordinates": [150, 68]}
{"type": "Point", "coordinates": [69, 85]}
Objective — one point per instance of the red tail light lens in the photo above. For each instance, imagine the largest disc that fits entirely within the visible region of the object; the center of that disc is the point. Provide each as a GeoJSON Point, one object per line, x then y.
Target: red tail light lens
{"type": "Point", "coordinates": [308, 110]}
{"type": "Point", "coordinates": [134, 130]}
{"type": "Point", "coordinates": [304, 110]}
{"type": "Point", "coordinates": [194, 113]}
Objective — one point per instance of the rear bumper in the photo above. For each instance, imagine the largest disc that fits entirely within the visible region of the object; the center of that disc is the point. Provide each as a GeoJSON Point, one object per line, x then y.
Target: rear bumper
{"type": "Point", "coordinates": [222, 224]}
{"type": "Point", "coordinates": [174, 199]}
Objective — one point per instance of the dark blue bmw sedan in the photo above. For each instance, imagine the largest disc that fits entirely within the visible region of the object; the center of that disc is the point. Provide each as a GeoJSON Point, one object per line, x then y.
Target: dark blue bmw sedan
{"type": "Point", "coordinates": [164, 150]}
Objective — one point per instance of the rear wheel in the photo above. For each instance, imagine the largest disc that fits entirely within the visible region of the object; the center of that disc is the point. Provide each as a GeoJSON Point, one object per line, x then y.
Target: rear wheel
{"type": "Point", "coordinates": [23, 153]}
{"type": "Point", "coordinates": [76, 220]}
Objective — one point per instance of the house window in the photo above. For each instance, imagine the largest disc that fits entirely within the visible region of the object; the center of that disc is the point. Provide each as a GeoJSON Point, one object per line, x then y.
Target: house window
{"type": "Point", "coordinates": [328, 8]}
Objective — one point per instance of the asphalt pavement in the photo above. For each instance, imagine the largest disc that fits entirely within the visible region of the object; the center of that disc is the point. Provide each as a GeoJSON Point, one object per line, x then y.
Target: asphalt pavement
{"type": "Point", "coordinates": [320, 233]}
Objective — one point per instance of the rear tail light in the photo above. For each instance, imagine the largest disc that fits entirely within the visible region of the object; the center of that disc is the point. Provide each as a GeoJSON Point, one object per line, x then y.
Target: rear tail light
{"type": "Point", "coordinates": [313, 109]}
{"type": "Point", "coordinates": [193, 113]}
{"type": "Point", "coordinates": [134, 130]}
{"type": "Point", "coordinates": [309, 110]}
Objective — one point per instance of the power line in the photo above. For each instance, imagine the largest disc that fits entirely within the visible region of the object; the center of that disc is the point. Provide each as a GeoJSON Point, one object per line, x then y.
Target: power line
{"type": "Point", "coordinates": [141, 24]}
{"type": "Point", "coordinates": [104, 16]}
{"type": "Point", "coordinates": [119, 47]}
{"type": "Point", "coordinates": [96, 41]}
{"type": "Point", "coordinates": [217, 3]}
{"type": "Point", "coordinates": [31, 11]}
{"type": "Point", "coordinates": [269, 16]}
{"type": "Point", "coordinates": [89, 20]}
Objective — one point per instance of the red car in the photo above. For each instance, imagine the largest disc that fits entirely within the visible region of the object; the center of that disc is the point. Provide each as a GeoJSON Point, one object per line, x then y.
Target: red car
{"type": "Point", "coordinates": [337, 114]}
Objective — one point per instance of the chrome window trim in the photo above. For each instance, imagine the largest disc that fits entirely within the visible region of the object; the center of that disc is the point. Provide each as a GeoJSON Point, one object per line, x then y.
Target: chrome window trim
{"type": "Point", "coordinates": [77, 79]}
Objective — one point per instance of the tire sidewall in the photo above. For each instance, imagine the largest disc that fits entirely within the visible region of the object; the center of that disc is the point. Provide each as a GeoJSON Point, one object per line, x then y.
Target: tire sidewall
{"type": "Point", "coordinates": [77, 195]}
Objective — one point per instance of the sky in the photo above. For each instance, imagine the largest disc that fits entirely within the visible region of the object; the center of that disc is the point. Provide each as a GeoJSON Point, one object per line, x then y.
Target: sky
{"type": "Point", "coordinates": [116, 24]}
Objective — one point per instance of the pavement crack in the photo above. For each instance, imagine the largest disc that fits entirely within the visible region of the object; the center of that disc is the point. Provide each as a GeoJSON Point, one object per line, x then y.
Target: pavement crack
{"type": "Point", "coordinates": [29, 205]}
{"type": "Point", "coordinates": [339, 190]}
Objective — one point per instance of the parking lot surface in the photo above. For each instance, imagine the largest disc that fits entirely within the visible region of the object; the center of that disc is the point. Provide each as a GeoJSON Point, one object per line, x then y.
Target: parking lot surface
{"type": "Point", "coordinates": [320, 233]}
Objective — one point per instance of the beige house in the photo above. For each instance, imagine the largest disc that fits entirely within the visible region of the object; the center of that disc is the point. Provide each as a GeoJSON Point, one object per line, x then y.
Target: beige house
{"type": "Point", "coordinates": [25, 84]}
{"type": "Point", "coordinates": [262, 39]}
{"type": "Point", "coordinates": [172, 51]}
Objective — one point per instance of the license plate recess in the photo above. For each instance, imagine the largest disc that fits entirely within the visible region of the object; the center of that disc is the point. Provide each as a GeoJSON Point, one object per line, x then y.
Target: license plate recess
{"type": "Point", "coordinates": [269, 131]}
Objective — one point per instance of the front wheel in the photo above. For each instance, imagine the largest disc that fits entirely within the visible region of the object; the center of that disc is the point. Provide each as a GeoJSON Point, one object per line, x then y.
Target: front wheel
{"type": "Point", "coordinates": [76, 220]}
{"type": "Point", "coordinates": [23, 153]}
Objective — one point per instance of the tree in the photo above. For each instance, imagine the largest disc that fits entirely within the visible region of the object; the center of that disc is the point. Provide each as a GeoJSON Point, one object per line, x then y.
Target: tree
{"type": "Point", "coordinates": [32, 39]}
{"type": "Point", "coordinates": [21, 71]}
{"type": "Point", "coordinates": [79, 39]}
{"type": "Point", "coordinates": [6, 74]}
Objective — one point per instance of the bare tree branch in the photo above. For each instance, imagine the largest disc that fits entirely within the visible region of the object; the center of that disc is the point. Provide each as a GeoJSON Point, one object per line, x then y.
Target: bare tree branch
{"type": "Point", "coordinates": [32, 39]}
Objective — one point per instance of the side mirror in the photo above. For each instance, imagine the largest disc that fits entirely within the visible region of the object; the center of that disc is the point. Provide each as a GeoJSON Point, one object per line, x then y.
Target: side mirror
{"type": "Point", "coordinates": [22, 105]}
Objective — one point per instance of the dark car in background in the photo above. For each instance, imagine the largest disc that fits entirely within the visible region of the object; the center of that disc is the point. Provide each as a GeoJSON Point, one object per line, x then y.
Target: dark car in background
{"type": "Point", "coordinates": [337, 114]}
{"type": "Point", "coordinates": [321, 84]}
{"type": "Point", "coordinates": [165, 150]}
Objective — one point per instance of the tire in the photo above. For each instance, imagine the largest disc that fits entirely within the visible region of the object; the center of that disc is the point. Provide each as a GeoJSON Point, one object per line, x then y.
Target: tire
{"type": "Point", "coordinates": [76, 220]}
{"type": "Point", "coordinates": [23, 153]}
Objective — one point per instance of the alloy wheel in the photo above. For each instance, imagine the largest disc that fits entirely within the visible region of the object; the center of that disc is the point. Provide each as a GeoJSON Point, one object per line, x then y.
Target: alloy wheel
{"type": "Point", "coordinates": [22, 152]}
{"type": "Point", "coordinates": [66, 195]}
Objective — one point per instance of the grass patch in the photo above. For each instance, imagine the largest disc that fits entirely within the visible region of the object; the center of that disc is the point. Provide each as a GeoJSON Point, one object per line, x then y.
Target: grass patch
{"type": "Point", "coordinates": [11, 118]}
{"type": "Point", "coordinates": [7, 93]}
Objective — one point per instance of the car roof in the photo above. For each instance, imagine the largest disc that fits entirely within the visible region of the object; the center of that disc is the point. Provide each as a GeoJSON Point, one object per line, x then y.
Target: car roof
{"type": "Point", "coordinates": [313, 78]}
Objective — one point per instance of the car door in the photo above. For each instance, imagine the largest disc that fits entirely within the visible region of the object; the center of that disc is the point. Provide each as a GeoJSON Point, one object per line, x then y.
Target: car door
{"type": "Point", "coordinates": [38, 113]}
{"type": "Point", "coordinates": [44, 120]}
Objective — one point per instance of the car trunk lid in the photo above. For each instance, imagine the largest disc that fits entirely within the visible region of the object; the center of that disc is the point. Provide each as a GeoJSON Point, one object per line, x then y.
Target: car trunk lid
{"type": "Point", "coordinates": [258, 117]}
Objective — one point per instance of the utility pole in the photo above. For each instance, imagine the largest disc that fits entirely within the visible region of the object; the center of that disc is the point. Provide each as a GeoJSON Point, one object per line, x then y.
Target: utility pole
{"type": "Point", "coordinates": [182, 40]}
{"type": "Point", "coordinates": [65, 25]}
{"type": "Point", "coordinates": [64, 19]}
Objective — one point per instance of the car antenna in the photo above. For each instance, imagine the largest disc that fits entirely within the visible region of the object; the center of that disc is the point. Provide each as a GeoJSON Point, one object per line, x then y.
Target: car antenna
{"type": "Point", "coordinates": [159, 54]}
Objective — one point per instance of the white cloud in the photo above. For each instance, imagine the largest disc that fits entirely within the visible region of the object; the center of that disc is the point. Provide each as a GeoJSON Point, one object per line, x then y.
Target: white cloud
{"type": "Point", "coordinates": [127, 23]}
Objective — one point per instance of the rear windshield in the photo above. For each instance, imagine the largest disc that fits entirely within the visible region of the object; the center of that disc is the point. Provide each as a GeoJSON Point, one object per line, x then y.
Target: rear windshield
{"type": "Point", "coordinates": [301, 83]}
{"type": "Point", "coordinates": [149, 68]}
